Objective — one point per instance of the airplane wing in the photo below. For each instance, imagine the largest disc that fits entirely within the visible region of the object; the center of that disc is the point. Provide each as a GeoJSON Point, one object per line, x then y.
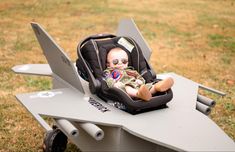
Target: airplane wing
{"type": "Point", "coordinates": [34, 69]}
{"type": "Point", "coordinates": [180, 126]}
{"type": "Point", "coordinates": [66, 101]}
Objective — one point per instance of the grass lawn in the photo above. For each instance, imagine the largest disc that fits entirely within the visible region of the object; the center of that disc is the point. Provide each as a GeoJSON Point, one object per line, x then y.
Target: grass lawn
{"type": "Point", "coordinates": [195, 39]}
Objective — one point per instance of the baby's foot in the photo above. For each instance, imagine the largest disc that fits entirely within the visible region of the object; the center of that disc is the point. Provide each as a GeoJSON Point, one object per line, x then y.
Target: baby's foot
{"type": "Point", "coordinates": [164, 85]}
{"type": "Point", "coordinates": [144, 93]}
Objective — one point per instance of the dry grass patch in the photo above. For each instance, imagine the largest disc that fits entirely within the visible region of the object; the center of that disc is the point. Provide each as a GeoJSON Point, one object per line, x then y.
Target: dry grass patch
{"type": "Point", "coordinates": [191, 38]}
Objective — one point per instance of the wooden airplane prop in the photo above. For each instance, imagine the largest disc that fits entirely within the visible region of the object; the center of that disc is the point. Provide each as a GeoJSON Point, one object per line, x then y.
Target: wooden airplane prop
{"type": "Point", "coordinates": [95, 125]}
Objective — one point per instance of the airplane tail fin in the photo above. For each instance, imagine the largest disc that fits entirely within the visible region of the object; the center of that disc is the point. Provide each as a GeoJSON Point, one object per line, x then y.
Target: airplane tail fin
{"type": "Point", "coordinates": [58, 60]}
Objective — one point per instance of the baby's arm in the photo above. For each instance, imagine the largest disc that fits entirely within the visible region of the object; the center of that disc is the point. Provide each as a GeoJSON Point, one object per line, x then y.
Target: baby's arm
{"type": "Point", "coordinates": [108, 79]}
{"type": "Point", "coordinates": [139, 79]}
{"type": "Point", "coordinates": [139, 82]}
{"type": "Point", "coordinates": [111, 82]}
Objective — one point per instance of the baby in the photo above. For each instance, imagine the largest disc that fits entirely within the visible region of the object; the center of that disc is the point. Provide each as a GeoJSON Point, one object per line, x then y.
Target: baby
{"type": "Point", "coordinates": [119, 75]}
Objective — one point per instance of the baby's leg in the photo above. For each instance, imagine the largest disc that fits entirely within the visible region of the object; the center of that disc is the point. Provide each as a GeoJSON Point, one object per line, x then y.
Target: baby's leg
{"type": "Point", "coordinates": [131, 91]}
{"type": "Point", "coordinates": [142, 93]}
{"type": "Point", "coordinates": [162, 86]}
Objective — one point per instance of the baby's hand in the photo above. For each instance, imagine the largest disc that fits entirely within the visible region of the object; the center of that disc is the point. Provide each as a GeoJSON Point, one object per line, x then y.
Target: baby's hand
{"type": "Point", "coordinates": [139, 82]}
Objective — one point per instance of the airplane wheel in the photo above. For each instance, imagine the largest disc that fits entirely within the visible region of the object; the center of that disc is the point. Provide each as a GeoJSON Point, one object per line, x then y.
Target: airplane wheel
{"type": "Point", "coordinates": [55, 141]}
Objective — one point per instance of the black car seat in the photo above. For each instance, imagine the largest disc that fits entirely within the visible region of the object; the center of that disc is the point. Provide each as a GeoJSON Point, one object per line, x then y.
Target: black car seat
{"type": "Point", "coordinates": [91, 63]}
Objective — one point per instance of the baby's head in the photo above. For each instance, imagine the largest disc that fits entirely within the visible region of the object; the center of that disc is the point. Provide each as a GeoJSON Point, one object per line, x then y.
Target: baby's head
{"type": "Point", "coordinates": [117, 58]}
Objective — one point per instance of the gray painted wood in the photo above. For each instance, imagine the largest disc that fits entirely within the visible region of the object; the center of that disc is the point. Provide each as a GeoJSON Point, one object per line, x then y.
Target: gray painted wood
{"type": "Point", "coordinates": [178, 127]}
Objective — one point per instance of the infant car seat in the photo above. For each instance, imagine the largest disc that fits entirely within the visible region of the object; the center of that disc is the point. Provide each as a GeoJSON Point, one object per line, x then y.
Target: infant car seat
{"type": "Point", "coordinates": [91, 62]}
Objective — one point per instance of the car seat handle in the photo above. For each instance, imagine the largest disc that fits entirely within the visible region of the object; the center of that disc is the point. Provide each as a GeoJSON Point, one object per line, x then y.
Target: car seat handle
{"type": "Point", "coordinates": [95, 86]}
{"type": "Point", "coordinates": [96, 36]}
{"type": "Point", "coordinates": [101, 36]}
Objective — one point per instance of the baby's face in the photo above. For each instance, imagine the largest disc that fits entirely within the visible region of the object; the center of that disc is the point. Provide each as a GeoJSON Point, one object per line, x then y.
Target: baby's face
{"type": "Point", "coordinates": [117, 58]}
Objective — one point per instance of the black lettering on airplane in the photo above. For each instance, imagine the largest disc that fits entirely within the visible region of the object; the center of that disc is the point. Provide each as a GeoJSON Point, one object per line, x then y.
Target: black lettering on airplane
{"type": "Point", "coordinates": [98, 105]}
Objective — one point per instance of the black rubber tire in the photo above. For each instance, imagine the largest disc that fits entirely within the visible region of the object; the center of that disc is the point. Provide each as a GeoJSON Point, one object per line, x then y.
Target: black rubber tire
{"type": "Point", "coordinates": [55, 141]}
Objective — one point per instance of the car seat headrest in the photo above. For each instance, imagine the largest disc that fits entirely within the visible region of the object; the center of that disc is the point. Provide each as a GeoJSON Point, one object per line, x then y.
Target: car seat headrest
{"type": "Point", "coordinates": [104, 50]}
